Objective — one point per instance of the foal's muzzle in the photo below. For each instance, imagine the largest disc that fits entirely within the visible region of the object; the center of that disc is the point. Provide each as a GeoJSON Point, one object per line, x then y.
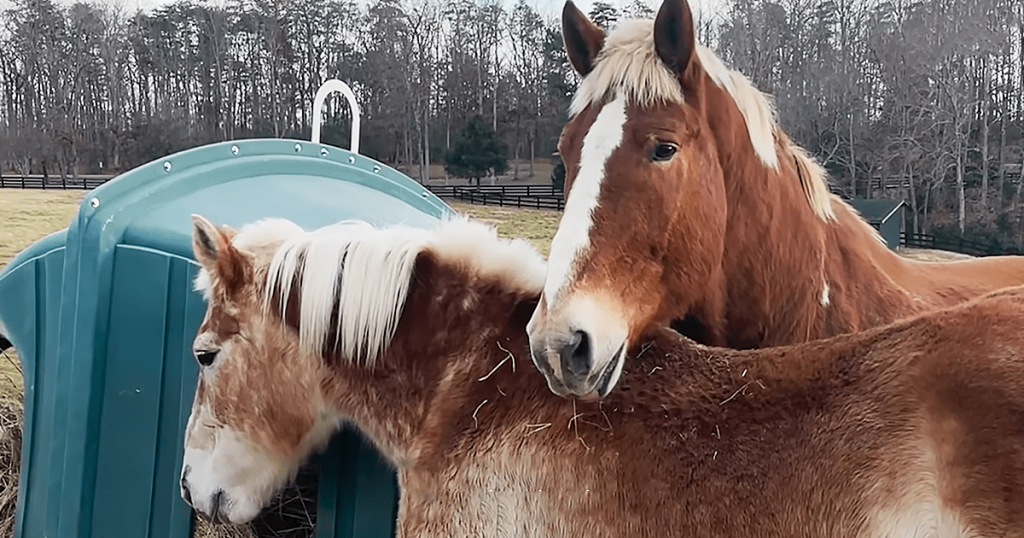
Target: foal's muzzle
{"type": "Point", "coordinates": [212, 508]}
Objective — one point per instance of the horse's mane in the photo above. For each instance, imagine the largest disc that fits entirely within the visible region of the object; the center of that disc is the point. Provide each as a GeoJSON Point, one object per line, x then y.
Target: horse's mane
{"type": "Point", "coordinates": [628, 64]}
{"type": "Point", "coordinates": [353, 279]}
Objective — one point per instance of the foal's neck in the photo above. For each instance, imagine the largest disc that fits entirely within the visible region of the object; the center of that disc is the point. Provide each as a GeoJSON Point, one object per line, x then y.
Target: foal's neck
{"type": "Point", "coordinates": [454, 329]}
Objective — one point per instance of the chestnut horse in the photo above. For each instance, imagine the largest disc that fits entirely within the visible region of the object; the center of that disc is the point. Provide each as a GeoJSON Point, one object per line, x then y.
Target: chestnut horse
{"type": "Point", "coordinates": [687, 204]}
{"type": "Point", "coordinates": [417, 338]}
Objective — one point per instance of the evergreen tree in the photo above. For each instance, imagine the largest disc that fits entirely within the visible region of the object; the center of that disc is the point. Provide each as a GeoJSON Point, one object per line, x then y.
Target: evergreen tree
{"type": "Point", "coordinates": [477, 150]}
{"type": "Point", "coordinates": [558, 175]}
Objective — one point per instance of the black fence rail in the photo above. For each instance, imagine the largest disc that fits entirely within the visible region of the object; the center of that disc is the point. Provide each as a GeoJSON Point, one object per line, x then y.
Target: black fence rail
{"type": "Point", "coordinates": [37, 181]}
{"type": "Point", "coordinates": [520, 196]}
{"type": "Point", "coordinates": [953, 244]}
{"type": "Point", "coordinates": [540, 189]}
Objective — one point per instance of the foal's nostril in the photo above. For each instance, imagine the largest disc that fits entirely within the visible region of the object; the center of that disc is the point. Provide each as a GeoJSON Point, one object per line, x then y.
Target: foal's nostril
{"type": "Point", "coordinates": [215, 515]}
{"type": "Point", "coordinates": [576, 355]}
{"type": "Point", "coordinates": [185, 493]}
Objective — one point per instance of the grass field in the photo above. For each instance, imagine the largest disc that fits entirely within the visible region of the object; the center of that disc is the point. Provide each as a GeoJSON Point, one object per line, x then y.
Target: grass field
{"type": "Point", "coordinates": [26, 216]}
{"type": "Point", "coordinates": [536, 225]}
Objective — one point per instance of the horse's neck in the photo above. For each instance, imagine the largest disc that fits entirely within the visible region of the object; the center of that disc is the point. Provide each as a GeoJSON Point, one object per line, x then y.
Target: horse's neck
{"type": "Point", "coordinates": [873, 284]}
{"type": "Point", "coordinates": [790, 275]}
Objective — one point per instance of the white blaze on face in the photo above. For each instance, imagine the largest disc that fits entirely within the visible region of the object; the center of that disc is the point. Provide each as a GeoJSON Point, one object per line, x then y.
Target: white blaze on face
{"type": "Point", "coordinates": [573, 235]}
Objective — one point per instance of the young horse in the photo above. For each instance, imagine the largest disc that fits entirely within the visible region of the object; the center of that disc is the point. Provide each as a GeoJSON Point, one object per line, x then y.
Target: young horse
{"type": "Point", "coordinates": [681, 186]}
{"type": "Point", "coordinates": [417, 339]}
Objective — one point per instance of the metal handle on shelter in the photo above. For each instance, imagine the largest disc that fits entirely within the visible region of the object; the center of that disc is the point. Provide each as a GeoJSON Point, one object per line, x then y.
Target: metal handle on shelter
{"type": "Point", "coordinates": [329, 87]}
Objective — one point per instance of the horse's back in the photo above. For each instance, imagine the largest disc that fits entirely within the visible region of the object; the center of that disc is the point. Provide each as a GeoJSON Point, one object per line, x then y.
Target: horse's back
{"type": "Point", "coordinates": [948, 283]}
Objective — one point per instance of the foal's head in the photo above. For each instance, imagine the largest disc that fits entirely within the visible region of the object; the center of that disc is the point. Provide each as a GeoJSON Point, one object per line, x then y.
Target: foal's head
{"type": "Point", "coordinates": [642, 238]}
{"type": "Point", "coordinates": [257, 413]}
{"type": "Point", "coordinates": [304, 330]}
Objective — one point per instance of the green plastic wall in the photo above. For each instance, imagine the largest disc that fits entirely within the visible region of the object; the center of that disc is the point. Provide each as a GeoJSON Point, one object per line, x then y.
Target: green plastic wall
{"type": "Point", "coordinates": [103, 316]}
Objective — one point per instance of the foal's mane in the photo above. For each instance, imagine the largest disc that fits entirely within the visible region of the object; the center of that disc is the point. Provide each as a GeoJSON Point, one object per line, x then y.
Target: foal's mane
{"type": "Point", "coordinates": [628, 64]}
{"type": "Point", "coordinates": [351, 280]}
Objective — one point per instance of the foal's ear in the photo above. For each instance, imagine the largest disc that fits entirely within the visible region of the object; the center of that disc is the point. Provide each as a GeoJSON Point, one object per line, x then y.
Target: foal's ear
{"type": "Point", "coordinates": [213, 250]}
{"type": "Point", "coordinates": [674, 38]}
{"type": "Point", "coordinates": [582, 38]}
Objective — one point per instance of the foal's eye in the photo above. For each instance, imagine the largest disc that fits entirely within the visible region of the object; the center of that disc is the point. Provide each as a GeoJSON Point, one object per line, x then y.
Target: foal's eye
{"type": "Point", "coordinates": [206, 357]}
{"type": "Point", "coordinates": [663, 152]}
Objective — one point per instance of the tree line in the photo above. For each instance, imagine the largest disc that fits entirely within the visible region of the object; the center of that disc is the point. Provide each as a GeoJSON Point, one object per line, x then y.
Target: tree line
{"type": "Point", "coordinates": [902, 98]}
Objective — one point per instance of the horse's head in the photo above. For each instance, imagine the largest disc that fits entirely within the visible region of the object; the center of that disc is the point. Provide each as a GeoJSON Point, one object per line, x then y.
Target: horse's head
{"type": "Point", "coordinates": [257, 413]}
{"type": "Point", "coordinates": [645, 192]}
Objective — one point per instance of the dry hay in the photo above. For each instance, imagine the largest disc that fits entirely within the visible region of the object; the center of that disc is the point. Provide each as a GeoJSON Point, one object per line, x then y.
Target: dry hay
{"type": "Point", "coordinates": [11, 414]}
{"type": "Point", "coordinates": [292, 514]}
{"type": "Point", "coordinates": [11, 418]}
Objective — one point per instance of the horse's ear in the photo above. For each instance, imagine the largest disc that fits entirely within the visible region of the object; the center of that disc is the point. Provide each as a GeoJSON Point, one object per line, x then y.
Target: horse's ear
{"type": "Point", "coordinates": [213, 250]}
{"type": "Point", "coordinates": [582, 38]}
{"type": "Point", "coordinates": [674, 38]}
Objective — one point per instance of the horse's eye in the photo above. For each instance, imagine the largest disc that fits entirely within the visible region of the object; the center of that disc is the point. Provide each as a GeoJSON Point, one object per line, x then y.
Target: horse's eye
{"type": "Point", "coordinates": [663, 152]}
{"type": "Point", "coordinates": [206, 357]}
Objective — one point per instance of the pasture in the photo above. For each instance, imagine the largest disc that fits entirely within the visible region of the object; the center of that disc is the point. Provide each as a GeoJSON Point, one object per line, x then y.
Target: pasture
{"type": "Point", "coordinates": [26, 216]}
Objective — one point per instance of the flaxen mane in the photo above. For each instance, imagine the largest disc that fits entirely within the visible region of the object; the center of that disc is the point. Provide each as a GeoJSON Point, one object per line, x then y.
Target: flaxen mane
{"type": "Point", "coordinates": [628, 64]}
{"type": "Point", "coordinates": [381, 261]}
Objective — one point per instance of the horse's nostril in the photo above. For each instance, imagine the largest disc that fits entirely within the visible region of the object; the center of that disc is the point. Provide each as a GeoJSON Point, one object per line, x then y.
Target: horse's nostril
{"type": "Point", "coordinates": [576, 355]}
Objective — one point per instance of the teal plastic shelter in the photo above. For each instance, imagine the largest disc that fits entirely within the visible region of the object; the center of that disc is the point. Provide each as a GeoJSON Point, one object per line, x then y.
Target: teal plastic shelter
{"type": "Point", "coordinates": [103, 316]}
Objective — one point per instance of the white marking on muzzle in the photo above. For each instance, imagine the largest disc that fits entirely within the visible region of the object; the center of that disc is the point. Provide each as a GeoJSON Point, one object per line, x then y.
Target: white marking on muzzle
{"type": "Point", "coordinates": [573, 235]}
{"type": "Point", "coordinates": [246, 476]}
